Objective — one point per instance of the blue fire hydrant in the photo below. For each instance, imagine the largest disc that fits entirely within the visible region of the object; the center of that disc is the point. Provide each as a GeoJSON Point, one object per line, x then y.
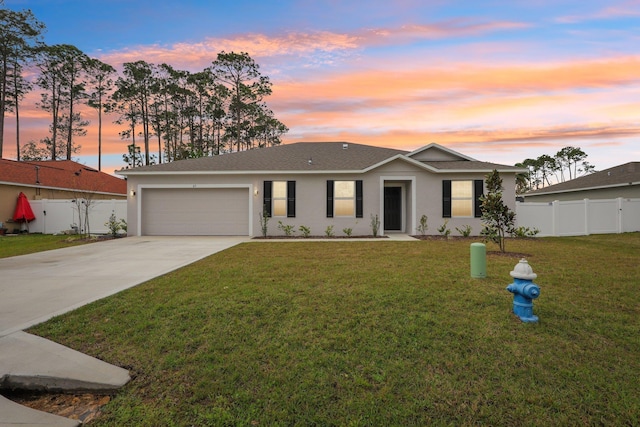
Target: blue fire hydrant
{"type": "Point", "coordinates": [524, 291]}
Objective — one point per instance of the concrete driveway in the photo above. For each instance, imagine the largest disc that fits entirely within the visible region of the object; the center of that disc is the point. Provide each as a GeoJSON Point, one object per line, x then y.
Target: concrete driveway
{"type": "Point", "coordinates": [37, 287]}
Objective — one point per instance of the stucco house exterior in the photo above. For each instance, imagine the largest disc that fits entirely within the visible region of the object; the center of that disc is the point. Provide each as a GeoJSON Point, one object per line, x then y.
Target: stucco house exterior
{"type": "Point", "coordinates": [312, 184]}
{"type": "Point", "coordinates": [53, 180]}
{"type": "Point", "coordinates": [621, 181]}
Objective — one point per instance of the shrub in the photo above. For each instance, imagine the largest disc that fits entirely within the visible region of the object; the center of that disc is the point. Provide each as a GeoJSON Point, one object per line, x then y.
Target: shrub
{"type": "Point", "coordinates": [522, 232]}
{"type": "Point", "coordinates": [444, 230]}
{"type": "Point", "coordinates": [306, 231]}
{"type": "Point", "coordinates": [114, 225]}
{"type": "Point", "coordinates": [347, 231]}
{"type": "Point", "coordinates": [329, 231]}
{"type": "Point", "coordinates": [465, 231]}
{"type": "Point", "coordinates": [287, 229]}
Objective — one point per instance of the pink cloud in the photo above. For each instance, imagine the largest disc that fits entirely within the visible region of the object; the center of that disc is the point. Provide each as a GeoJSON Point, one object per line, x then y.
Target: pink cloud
{"type": "Point", "coordinates": [627, 9]}
{"type": "Point", "coordinates": [315, 46]}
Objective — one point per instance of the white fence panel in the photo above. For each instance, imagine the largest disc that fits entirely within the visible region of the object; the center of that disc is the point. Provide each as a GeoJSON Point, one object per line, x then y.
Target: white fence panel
{"type": "Point", "coordinates": [630, 215]}
{"type": "Point", "coordinates": [603, 216]}
{"type": "Point", "coordinates": [580, 217]}
{"type": "Point", "coordinates": [570, 218]}
{"type": "Point", "coordinates": [536, 215]}
{"type": "Point", "coordinates": [58, 216]}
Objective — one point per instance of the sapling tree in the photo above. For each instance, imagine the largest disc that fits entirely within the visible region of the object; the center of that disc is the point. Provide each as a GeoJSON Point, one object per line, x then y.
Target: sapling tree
{"type": "Point", "coordinates": [497, 219]}
{"type": "Point", "coordinates": [113, 225]}
{"type": "Point", "coordinates": [423, 226]}
{"type": "Point", "coordinates": [264, 221]}
{"type": "Point", "coordinates": [375, 225]}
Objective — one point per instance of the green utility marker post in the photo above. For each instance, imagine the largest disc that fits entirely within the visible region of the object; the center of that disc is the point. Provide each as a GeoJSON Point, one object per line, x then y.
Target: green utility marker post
{"type": "Point", "coordinates": [478, 260]}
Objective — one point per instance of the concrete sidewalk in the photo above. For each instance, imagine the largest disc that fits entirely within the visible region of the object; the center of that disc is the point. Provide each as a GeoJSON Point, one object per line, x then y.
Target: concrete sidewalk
{"type": "Point", "coordinates": [39, 286]}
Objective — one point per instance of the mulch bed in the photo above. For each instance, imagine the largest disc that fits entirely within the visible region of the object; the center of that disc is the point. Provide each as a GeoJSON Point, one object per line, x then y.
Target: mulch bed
{"type": "Point", "coordinates": [82, 407]}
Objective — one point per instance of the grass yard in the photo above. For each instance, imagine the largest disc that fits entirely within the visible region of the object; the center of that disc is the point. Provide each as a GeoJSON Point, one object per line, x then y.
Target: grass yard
{"type": "Point", "coordinates": [30, 243]}
{"type": "Point", "coordinates": [374, 333]}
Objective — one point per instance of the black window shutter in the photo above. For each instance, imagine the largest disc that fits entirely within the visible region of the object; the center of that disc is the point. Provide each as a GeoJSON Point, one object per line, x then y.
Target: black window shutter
{"type": "Point", "coordinates": [291, 199]}
{"type": "Point", "coordinates": [266, 198]}
{"type": "Point", "coordinates": [359, 199]}
{"type": "Point", "coordinates": [329, 199]}
{"type": "Point", "coordinates": [478, 191]}
{"type": "Point", "coordinates": [446, 198]}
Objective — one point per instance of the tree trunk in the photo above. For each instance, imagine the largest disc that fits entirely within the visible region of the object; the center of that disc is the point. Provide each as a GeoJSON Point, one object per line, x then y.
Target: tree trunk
{"type": "Point", "coordinates": [3, 99]}
{"type": "Point", "coordinates": [70, 129]}
{"type": "Point", "coordinates": [99, 131]}
{"type": "Point", "coordinates": [17, 129]}
{"type": "Point", "coordinates": [54, 130]}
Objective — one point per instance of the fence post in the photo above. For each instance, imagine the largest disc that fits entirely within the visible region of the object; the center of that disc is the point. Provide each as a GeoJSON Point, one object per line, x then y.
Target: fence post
{"type": "Point", "coordinates": [44, 215]}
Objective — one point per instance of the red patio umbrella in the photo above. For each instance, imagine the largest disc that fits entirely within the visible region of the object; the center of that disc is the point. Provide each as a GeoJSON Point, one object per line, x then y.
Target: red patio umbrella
{"type": "Point", "coordinates": [23, 212]}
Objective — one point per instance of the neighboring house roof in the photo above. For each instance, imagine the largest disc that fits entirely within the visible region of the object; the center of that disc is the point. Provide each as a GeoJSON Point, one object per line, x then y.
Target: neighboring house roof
{"type": "Point", "coordinates": [60, 175]}
{"type": "Point", "coordinates": [617, 176]}
{"type": "Point", "coordinates": [321, 157]}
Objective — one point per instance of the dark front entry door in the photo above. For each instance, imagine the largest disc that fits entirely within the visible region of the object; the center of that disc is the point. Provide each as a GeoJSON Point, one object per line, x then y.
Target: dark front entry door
{"type": "Point", "coordinates": [393, 208]}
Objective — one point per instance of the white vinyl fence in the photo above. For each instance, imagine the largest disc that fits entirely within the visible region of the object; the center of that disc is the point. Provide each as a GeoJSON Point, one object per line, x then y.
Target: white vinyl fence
{"type": "Point", "coordinates": [59, 216]}
{"type": "Point", "coordinates": [580, 217]}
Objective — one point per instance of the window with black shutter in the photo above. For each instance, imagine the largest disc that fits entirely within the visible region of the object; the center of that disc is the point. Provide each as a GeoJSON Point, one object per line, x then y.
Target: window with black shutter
{"type": "Point", "coordinates": [291, 199]}
{"type": "Point", "coordinates": [329, 199]}
{"type": "Point", "coordinates": [266, 198]}
{"type": "Point", "coordinates": [279, 198]}
{"type": "Point", "coordinates": [446, 198]}
{"type": "Point", "coordinates": [478, 191]}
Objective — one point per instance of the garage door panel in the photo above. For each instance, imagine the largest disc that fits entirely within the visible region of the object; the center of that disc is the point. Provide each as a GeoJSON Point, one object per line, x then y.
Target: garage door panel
{"type": "Point", "coordinates": [197, 211]}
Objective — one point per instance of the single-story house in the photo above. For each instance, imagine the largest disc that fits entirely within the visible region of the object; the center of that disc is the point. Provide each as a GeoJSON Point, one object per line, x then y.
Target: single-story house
{"type": "Point", "coordinates": [62, 179]}
{"type": "Point", "coordinates": [315, 185]}
{"type": "Point", "coordinates": [621, 181]}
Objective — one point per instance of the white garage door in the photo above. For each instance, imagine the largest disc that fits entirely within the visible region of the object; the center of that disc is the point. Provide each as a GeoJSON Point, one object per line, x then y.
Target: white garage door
{"type": "Point", "coordinates": [195, 211]}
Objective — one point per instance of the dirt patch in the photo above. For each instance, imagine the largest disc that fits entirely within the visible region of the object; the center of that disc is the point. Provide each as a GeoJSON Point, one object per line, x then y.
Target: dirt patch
{"type": "Point", "coordinates": [518, 255]}
{"type": "Point", "coordinates": [82, 407]}
{"type": "Point", "coordinates": [444, 238]}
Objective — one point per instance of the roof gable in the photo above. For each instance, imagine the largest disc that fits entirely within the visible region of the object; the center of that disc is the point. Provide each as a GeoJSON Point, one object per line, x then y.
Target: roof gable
{"type": "Point", "coordinates": [437, 153]}
{"type": "Point", "coordinates": [60, 174]}
{"type": "Point", "coordinates": [617, 176]}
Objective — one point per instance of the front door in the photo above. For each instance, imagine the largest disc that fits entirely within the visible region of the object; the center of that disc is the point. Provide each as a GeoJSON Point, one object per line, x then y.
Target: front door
{"type": "Point", "coordinates": [393, 208]}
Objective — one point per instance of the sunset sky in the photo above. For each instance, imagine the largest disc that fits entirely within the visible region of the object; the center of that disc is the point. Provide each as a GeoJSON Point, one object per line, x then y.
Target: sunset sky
{"type": "Point", "coordinates": [499, 81]}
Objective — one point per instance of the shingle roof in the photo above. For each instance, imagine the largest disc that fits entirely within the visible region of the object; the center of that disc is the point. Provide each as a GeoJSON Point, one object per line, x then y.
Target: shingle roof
{"type": "Point", "coordinates": [626, 174]}
{"type": "Point", "coordinates": [61, 174]}
{"type": "Point", "coordinates": [305, 157]}
{"type": "Point", "coordinates": [301, 156]}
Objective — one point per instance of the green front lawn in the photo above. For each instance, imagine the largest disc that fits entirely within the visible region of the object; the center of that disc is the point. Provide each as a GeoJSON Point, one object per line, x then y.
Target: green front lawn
{"type": "Point", "coordinates": [23, 244]}
{"type": "Point", "coordinates": [373, 333]}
